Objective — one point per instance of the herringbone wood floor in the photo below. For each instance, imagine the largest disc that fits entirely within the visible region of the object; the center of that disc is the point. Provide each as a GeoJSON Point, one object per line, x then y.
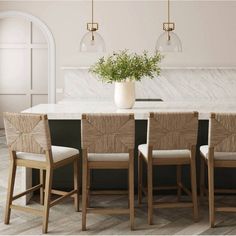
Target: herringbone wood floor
{"type": "Point", "coordinates": [63, 219]}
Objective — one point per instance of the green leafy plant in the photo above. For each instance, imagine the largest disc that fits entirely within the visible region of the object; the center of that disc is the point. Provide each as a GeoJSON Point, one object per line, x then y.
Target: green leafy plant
{"type": "Point", "coordinates": [123, 66]}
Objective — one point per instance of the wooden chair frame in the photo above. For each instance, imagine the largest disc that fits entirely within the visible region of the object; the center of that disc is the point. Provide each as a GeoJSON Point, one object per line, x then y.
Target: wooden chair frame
{"type": "Point", "coordinates": [178, 162]}
{"type": "Point", "coordinates": [210, 192]}
{"type": "Point", "coordinates": [46, 169]}
{"type": "Point", "coordinates": [211, 164]}
{"type": "Point", "coordinates": [92, 165]}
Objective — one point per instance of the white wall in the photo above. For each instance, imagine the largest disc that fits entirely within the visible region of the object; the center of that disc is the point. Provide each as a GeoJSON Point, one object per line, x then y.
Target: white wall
{"type": "Point", "coordinates": [206, 28]}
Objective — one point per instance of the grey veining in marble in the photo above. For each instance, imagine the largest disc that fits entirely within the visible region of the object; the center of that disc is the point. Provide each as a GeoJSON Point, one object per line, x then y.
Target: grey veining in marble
{"type": "Point", "coordinates": [171, 85]}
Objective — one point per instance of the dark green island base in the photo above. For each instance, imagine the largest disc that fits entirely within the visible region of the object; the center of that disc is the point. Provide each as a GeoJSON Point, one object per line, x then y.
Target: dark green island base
{"type": "Point", "coordinates": [67, 133]}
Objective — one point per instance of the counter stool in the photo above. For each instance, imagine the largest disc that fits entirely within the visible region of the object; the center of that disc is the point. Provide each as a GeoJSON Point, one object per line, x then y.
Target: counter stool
{"type": "Point", "coordinates": [29, 143]}
{"type": "Point", "coordinates": [108, 143]}
{"type": "Point", "coordinates": [221, 152]}
{"type": "Point", "coordinates": [171, 140]}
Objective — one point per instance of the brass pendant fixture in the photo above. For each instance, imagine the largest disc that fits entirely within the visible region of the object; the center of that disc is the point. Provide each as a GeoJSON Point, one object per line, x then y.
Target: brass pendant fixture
{"type": "Point", "coordinates": [169, 41]}
{"type": "Point", "coordinates": [92, 41]}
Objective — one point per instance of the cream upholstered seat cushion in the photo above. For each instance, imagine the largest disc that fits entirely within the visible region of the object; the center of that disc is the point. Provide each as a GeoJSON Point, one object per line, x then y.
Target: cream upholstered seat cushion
{"type": "Point", "coordinates": [108, 156]}
{"type": "Point", "coordinates": [59, 153]}
{"type": "Point", "coordinates": [143, 148]}
{"type": "Point", "coordinates": [230, 156]}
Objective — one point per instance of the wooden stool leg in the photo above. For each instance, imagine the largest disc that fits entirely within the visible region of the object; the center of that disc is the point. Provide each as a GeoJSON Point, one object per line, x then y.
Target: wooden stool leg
{"type": "Point", "coordinates": [88, 187]}
{"type": "Point", "coordinates": [202, 178]}
{"type": "Point", "coordinates": [150, 192]}
{"type": "Point", "coordinates": [128, 186]}
{"type": "Point", "coordinates": [178, 180]}
{"type": "Point", "coordinates": [84, 191]}
{"type": "Point", "coordinates": [42, 181]}
{"type": "Point", "coordinates": [194, 184]}
{"type": "Point", "coordinates": [140, 178]}
{"type": "Point", "coordinates": [47, 199]}
{"type": "Point", "coordinates": [76, 184]}
{"type": "Point", "coordinates": [10, 190]}
{"type": "Point", "coordinates": [211, 193]}
{"type": "Point", "coordinates": [131, 189]}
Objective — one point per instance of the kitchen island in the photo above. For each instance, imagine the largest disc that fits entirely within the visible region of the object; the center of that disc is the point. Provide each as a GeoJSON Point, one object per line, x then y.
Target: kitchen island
{"type": "Point", "coordinates": [64, 121]}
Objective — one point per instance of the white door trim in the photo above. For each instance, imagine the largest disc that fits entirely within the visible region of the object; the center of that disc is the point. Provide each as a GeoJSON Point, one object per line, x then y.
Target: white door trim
{"type": "Point", "coordinates": [51, 48]}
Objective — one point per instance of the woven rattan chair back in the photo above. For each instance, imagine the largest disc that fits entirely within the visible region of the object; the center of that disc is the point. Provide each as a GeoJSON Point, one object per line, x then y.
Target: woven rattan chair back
{"type": "Point", "coordinates": [173, 130]}
{"type": "Point", "coordinates": [27, 132]}
{"type": "Point", "coordinates": [108, 133]}
{"type": "Point", "coordinates": [222, 132]}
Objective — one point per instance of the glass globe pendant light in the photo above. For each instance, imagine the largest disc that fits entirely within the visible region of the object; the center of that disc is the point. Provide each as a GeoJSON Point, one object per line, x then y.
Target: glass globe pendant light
{"type": "Point", "coordinates": [92, 41]}
{"type": "Point", "coordinates": [169, 41]}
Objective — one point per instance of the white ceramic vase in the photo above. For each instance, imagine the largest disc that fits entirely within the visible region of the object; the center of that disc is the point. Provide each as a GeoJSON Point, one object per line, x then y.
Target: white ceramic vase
{"type": "Point", "coordinates": [124, 94]}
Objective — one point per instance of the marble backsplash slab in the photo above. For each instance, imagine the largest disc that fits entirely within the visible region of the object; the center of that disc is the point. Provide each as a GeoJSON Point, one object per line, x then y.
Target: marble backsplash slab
{"type": "Point", "coordinates": [193, 84]}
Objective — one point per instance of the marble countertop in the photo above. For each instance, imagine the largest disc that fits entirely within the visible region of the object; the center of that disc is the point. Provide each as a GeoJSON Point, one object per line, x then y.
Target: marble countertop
{"type": "Point", "coordinates": [73, 111]}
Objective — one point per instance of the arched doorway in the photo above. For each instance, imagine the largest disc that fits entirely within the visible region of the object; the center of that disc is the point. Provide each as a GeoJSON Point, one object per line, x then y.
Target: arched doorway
{"type": "Point", "coordinates": [51, 51]}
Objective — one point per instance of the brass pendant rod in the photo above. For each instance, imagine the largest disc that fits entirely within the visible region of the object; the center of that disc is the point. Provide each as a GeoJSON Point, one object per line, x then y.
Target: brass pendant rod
{"type": "Point", "coordinates": [168, 9]}
{"type": "Point", "coordinates": [92, 12]}
{"type": "Point", "coordinates": [92, 19]}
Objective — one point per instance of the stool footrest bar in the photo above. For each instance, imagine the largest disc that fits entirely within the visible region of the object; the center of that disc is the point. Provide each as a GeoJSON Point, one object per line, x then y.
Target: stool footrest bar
{"type": "Point", "coordinates": [62, 198]}
{"type": "Point", "coordinates": [27, 191]}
